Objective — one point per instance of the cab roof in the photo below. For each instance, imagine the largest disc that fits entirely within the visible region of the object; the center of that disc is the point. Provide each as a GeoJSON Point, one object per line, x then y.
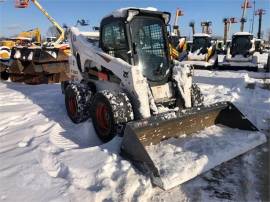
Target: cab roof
{"type": "Point", "coordinates": [125, 13]}
{"type": "Point", "coordinates": [201, 35]}
{"type": "Point", "coordinates": [242, 34]}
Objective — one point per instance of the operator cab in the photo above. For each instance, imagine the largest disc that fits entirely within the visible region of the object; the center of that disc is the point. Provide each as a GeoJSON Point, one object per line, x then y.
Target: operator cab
{"type": "Point", "coordinates": [201, 42]}
{"type": "Point", "coordinates": [241, 44]}
{"type": "Point", "coordinates": [139, 37]}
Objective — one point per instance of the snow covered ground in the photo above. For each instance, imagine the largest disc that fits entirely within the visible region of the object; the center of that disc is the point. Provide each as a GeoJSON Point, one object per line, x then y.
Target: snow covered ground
{"type": "Point", "coordinates": [45, 157]}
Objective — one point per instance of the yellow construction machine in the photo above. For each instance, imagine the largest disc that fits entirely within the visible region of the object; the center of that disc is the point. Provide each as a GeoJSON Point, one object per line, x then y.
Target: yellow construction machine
{"type": "Point", "coordinates": [38, 63]}
{"type": "Point", "coordinates": [177, 45]}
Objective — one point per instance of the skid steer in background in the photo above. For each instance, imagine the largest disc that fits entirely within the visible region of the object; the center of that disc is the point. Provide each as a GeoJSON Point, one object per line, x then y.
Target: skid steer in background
{"type": "Point", "coordinates": [177, 43]}
{"type": "Point", "coordinates": [242, 53]}
{"type": "Point", "coordinates": [128, 84]}
{"type": "Point", "coordinates": [202, 52]}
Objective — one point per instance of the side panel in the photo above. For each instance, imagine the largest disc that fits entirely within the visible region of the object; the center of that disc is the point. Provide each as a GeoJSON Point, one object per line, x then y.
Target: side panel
{"type": "Point", "coordinates": [132, 80]}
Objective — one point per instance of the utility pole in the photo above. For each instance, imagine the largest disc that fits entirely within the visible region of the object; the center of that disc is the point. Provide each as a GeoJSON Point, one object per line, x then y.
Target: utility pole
{"type": "Point", "coordinates": [225, 21]}
{"type": "Point", "coordinates": [227, 27]}
{"type": "Point", "coordinates": [245, 6]}
{"type": "Point", "coordinates": [260, 13]}
{"type": "Point", "coordinates": [176, 29]}
{"type": "Point", "coordinates": [232, 20]}
{"type": "Point", "coordinates": [253, 16]}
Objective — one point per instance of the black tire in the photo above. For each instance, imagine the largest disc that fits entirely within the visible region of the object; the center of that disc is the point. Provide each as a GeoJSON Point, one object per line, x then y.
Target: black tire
{"type": "Point", "coordinates": [64, 85]}
{"type": "Point", "coordinates": [267, 69]}
{"type": "Point", "coordinates": [108, 111]}
{"type": "Point", "coordinates": [196, 96]}
{"type": "Point", "coordinates": [77, 100]}
{"type": "Point", "coordinates": [4, 75]}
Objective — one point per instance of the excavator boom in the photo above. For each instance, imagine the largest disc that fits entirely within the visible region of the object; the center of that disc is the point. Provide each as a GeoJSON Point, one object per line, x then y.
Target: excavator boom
{"type": "Point", "coordinates": [25, 3]}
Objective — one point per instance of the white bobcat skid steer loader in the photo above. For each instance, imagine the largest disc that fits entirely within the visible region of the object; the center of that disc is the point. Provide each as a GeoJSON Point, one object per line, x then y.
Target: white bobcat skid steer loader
{"type": "Point", "coordinates": [129, 86]}
{"type": "Point", "coordinates": [242, 54]}
{"type": "Point", "coordinates": [202, 54]}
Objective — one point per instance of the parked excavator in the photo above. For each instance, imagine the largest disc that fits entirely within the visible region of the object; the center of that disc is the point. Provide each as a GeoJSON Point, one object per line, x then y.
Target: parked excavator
{"type": "Point", "coordinates": [130, 86]}
{"type": "Point", "coordinates": [39, 63]}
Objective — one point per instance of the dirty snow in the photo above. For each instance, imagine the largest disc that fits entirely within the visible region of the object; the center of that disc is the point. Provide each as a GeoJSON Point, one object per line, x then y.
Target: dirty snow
{"type": "Point", "coordinates": [179, 160]}
{"type": "Point", "coordinates": [181, 74]}
{"type": "Point", "coordinates": [45, 157]}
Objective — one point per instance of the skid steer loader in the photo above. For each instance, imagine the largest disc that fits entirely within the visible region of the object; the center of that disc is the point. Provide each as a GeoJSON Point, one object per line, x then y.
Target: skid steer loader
{"type": "Point", "coordinates": [128, 84]}
{"type": "Point", "coordinates": [202, 54]}
{"type": "Point", "coordinates": [242, 54]}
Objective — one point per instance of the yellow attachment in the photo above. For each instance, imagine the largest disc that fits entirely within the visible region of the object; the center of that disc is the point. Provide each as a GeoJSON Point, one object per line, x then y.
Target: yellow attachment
{"type": "Point", "coordinates": [7, 43]}
{"type": "Point", "coordinates": [209, 53]}
{"type": "Point", "coordinates": [173, 52]}
{"type": "Point", "coordinates": [182, 43]}
{"type": "Point", "coordinates": [4, 55]}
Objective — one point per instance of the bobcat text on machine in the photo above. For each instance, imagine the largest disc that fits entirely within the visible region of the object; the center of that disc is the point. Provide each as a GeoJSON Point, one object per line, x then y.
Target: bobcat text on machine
{"type": "Point", "coordinates": [126, 81]}
{"type": "Point", "coordinates": [243, 54]}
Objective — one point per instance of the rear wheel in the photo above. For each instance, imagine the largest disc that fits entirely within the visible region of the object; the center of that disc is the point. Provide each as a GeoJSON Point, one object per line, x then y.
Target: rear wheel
{"type": "Point", "coordinates": [196, 96]}
{"type": "Point", "coordinates": [108, 111]}
{"type": "Point", "coordinates": [77, 100]}
{"type": "Point", "coordinates": [268, 64]}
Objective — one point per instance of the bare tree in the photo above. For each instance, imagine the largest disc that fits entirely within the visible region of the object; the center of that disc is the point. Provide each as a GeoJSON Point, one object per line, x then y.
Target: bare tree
{"type": "Point", "coordinates": [192, 25]}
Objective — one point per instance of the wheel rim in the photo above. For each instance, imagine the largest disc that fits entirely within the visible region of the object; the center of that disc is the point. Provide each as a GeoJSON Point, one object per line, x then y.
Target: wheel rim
{"type": "Point", "coordinates": [103, 118]}
{"type": "Point", "coordinates": [72, 105]}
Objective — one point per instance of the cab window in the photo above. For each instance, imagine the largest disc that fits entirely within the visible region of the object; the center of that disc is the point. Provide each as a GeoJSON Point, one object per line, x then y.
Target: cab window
{"type": "Point", "coordinates": [114, 40]}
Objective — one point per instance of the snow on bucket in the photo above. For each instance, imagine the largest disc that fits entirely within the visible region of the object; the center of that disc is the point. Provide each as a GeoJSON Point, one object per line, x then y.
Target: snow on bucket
{"type": "Point", "coordinates": [175, 149]}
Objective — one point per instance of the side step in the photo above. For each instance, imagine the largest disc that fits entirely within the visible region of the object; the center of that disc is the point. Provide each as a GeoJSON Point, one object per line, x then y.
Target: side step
{"type": "Point", "coordinates": [174, 148]}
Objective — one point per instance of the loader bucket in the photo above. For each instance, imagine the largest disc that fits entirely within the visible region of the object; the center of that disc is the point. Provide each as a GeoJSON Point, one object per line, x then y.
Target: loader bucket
{"type": "Point", "coordinates": [174, 148]}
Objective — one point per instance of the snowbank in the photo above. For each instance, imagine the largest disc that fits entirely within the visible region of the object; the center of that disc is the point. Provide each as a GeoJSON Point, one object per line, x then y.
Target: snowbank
{"type": "Point", "coordinates": [179, 160]}
{"type": "Point", "coordinates": [45, 157]}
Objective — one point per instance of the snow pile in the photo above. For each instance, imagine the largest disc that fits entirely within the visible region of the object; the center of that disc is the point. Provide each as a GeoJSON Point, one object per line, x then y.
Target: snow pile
{"type": "Point", "coordinates": [196, 55]}
{"type": "Point", "coordinates": [179, 160]}
{"type": "Point", "coordinates": [122, 12]}
{"type": "Point", "coordinates": [232, 86]}
{"type": "Point", "coordinates": [45, 157]}
{"type": "Point", "coordinates": [98, 173]}
{"type": "Point", "coordinates": [183, 78]}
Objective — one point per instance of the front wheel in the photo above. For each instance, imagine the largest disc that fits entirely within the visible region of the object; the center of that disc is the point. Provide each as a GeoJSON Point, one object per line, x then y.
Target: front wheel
{"type": "Point", "coordinates": [108, 110]}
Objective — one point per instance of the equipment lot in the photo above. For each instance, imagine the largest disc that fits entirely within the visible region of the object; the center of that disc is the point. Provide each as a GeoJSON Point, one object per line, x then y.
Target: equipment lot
{"type": "Point", "coordinates": [45, 154]}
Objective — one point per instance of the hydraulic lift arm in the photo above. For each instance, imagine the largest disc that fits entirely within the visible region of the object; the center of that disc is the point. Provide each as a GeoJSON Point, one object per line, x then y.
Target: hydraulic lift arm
{"type": "Point", "coordinates": [25, 3]}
